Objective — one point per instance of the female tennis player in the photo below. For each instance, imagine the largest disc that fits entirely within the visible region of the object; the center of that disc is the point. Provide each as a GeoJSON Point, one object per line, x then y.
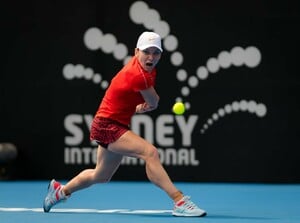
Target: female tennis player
{"type": "Point", "coordinates": [131, 91]}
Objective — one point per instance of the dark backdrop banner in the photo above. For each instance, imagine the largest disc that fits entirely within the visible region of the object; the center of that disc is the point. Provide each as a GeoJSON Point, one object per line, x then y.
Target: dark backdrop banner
{"type": "Point", "coordinates": [234, 65]}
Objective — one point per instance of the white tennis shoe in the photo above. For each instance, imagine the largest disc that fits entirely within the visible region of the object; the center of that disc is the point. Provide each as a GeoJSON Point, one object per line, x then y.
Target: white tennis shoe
{"type": "Point", "coordinates": [186, 208]}
{"type": "Point", "coordinates": [54, 195]}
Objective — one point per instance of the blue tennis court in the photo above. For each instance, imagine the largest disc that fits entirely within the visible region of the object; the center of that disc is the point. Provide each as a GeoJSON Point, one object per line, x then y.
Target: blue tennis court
{"type": "Point", "coordinates": [136, 202]}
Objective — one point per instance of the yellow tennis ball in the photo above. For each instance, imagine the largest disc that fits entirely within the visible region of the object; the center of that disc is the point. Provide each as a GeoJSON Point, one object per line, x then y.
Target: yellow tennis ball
{"type": "Point", "coordinates": [178, 108]}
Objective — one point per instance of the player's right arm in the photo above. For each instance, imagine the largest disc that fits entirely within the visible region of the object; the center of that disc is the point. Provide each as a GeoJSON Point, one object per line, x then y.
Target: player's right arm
{"type": "Point", "coordinates": [151, 100]}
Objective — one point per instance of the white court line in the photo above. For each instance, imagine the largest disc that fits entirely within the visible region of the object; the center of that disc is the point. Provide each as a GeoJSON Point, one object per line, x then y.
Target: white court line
{"type": "Point", "coordinates": [78, 210]}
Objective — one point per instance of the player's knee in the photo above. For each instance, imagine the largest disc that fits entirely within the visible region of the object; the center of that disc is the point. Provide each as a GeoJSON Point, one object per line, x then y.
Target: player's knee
{"type": "Point", "coordinates": [106, 180]}
{"type": "Point", "coordinates": [103, 180]}
{"type": "Point", "coordinates": [152, 153]}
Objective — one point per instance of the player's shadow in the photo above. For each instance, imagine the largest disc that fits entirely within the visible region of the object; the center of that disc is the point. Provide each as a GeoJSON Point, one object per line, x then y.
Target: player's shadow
{"type": "Point", "coordinates": [169, 215]}
{"type": "Point", "coordinates": [212, 216]}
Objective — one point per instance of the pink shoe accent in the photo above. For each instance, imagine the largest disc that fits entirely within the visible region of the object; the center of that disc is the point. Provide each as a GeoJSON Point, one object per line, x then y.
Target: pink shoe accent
{"type": "Point", "coordinates": [57, 187]}
{"type": "Point", "coordinates": [179, 203]}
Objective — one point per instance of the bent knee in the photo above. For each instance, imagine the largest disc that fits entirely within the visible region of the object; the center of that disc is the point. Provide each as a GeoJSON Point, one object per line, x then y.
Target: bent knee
{"type": "Point", "coordinates": [151, 153]}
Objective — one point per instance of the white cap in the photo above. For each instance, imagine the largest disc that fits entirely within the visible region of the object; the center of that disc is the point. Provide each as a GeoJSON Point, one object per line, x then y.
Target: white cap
{"type": "Point", "coordinates": [149, 39]}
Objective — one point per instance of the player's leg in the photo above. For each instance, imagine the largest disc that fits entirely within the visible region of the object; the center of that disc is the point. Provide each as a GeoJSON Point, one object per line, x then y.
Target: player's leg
{"type": "Point", "coordinates": [130, 144]}
{"type": "Point", "coordinates": [107, 164]}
